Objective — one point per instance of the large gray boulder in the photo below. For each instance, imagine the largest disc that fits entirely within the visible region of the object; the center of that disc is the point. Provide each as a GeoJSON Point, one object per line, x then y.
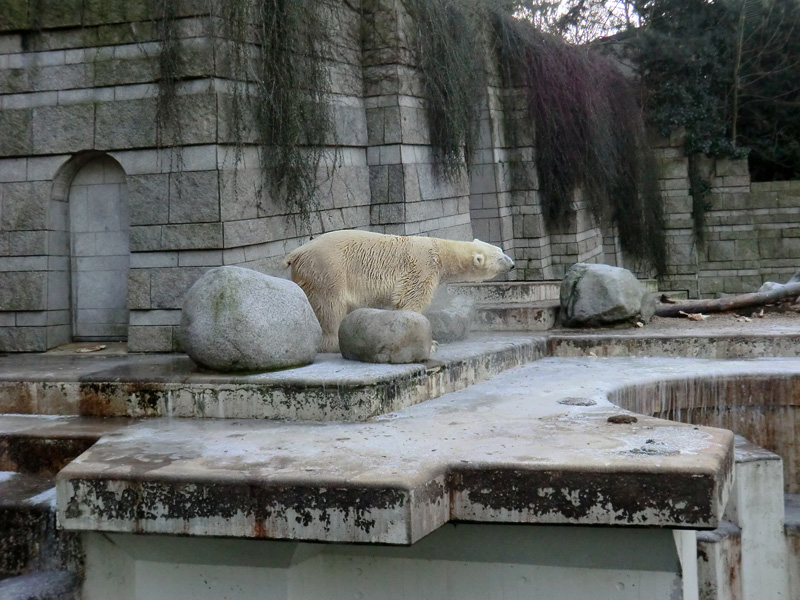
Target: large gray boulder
{"type": "Point", "coordinates": [598, 295]}
{"type": "Point", "coordinates": [237, 319]}
{"type": "Point", "coordinates": [385, 336]}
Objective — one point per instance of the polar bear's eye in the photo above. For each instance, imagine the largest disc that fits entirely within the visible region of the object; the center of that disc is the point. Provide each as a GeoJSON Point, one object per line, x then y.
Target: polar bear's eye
{"type": "Point", "coordinates": [478, 259]}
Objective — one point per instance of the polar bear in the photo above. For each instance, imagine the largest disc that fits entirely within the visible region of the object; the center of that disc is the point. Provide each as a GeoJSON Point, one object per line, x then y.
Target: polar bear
{"type": "Point", "coordinates": [344, 270]}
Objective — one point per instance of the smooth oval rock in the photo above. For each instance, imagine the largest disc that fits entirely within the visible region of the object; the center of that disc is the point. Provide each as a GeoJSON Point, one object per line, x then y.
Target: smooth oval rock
{"type": "Point", "coordinates": [237, 319]}
{"type": "Point", "coordinates": [385, 336]}
{"type": "Point", "coordinates": [595, 295]}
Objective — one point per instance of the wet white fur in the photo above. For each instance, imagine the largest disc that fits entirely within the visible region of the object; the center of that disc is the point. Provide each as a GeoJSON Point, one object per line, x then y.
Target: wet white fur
{"type": "Point", "coordinates": [344, 270]}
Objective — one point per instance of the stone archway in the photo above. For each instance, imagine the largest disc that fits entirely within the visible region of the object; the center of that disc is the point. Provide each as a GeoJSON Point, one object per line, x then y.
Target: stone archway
{"type": "Point", "coordinates": [99, 250]}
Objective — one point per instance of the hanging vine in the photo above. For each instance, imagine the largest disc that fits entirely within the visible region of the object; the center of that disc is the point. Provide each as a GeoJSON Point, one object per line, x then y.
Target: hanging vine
{"type": "Point", "coordinates": [447, 39]}
{"type": "Point", "coordinates": [588, 134]}
{"type": "Point", "coordinates": [276, 52]}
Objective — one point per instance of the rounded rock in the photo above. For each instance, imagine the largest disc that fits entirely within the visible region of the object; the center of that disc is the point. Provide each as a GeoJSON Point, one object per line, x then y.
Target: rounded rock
{"type": "Point", "coordinates": [385, 336]}
{"type": "Point", "coordinates": [237, 319]}
{"type": "Point", "coordinates": [595, 295]}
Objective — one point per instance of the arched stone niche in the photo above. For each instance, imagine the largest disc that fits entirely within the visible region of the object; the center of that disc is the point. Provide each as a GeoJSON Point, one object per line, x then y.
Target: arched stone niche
{"type": "Point", "coordinates": [90, 247]}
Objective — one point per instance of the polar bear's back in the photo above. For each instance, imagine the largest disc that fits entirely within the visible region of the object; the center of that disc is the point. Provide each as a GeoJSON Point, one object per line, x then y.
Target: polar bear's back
{"type": "Point", "coordinates": [368, 265]}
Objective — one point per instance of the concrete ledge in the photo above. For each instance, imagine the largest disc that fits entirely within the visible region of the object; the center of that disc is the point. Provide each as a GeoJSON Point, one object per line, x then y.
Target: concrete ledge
{"type": "Point", "coordinates": [172, 385]}
{"type": "Point", "coordinates": [686, 343]}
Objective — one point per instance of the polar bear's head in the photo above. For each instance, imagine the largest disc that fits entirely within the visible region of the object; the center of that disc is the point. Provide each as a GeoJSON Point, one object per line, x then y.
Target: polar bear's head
{"type": "Point", "coordinates": [488, 261]}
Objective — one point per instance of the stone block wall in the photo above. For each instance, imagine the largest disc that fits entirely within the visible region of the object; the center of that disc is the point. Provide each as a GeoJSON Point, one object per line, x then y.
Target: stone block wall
{"type": "Point", "coordinates": [751, 233]}
{"type": "Point", "coordinates": [408, 196]}
{"type": "Point", "coordinates": [79, 87]}
{"type": "Point", "coordinates": [78, 82]}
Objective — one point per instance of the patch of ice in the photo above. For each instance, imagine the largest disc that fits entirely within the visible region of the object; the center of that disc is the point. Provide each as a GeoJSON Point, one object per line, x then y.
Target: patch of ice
{"type": "Point", "coordinates": [46, 497]}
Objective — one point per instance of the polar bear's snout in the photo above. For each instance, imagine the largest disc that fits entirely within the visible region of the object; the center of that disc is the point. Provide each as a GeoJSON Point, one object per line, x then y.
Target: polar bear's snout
{"type": "Point", "coordinates": [508, 262]}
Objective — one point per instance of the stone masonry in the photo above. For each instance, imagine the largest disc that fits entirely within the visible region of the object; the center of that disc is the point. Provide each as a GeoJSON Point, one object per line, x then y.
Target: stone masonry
{"type": "Point", "coordinates": [752, 230]}
{"type": "Point", "coordinates": [103, 229]}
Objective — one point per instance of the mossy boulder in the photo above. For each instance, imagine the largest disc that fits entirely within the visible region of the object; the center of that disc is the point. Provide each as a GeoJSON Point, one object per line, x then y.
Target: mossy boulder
{"type": "Point", "coordinates": [237, 319]}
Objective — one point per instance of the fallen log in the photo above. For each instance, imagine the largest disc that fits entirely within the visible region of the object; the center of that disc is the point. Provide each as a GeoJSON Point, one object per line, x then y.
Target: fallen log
{"type": "Point", "coordinates": [729, 302]}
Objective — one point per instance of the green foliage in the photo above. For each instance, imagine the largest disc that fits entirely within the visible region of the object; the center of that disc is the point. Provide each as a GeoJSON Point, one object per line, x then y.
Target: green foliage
{"type": "Point", "coordinates": [447, 42]}
{"type": "Point", "coordinates": [769, 103]}
{"type": "Point", "coordinates": [726, 73]}
{"type": "Point", "coordinates": [168, 123]}
{"type": "Point", "coordinates": [589, 134]}
{"type": "Point", "coordinates": [685, 55]}
{"type": "Point", "coordinates": [700, 190]}
{"type": "Point", "coordinates": [294, 117]}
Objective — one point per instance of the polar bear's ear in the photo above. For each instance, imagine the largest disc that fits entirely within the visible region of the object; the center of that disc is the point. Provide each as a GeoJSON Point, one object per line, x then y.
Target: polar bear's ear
{"type": "Point", "coordinates": [475, 240]}
{"type": "Point", "coordinates": [478, 259]}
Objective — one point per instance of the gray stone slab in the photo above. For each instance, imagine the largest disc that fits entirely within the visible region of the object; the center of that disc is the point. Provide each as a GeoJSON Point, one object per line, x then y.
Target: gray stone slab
{"type": "Point", "coordinates": [152, 338]}
{"type": "Point", "coordinates": [168, 286]}
{"type": "Point", "coordinates": [63, 128]}
{"type": "Point", "coordinates": [198, 118]}
{"type": "Point", "coordinates": [20, 123]}
{"type": "Point", "coordinates": [195, 236]}
{"type": "Point", "coordinates": [24, 206]}
{"type": "Point", "coordinates": [20, 290]}
{"type": "Point", "coordinates": [23, 339]}
{"type": "Point", "coordinates": [194, 197]}
{"type": "Point", "coordinates": [148, 199]}
{"type": "Point", "coordinates": [125, 124]}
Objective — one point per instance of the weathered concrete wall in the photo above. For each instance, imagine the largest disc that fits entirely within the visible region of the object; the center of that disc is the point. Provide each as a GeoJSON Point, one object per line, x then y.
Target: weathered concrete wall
{"type": "Point", "coordinates": [78, 81]}
{"type": "Point", "coordinates": [465, 562]}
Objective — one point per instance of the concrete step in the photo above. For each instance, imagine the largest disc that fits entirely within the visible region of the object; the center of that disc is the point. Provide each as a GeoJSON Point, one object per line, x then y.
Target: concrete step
{"type": "Point", "coordinates": [43, 445]}
{"type": "Point", "coordinates": [42, 585]}
{"type": "Point", "coordinates": [29, 539]}
{"type": "Point", "coordinates": [719, 562]}
{"type": "Point", "coordinates": [527, 316]}
{"type": "Point", "coordinates": [507, 292]}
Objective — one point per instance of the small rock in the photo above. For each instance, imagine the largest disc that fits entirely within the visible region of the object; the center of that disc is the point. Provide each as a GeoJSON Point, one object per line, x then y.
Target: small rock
{"type": "Point", "coordinates": [385, 336]}
{"type": "Point", "coordinates": [769, 286]}
{"type": "Point", "coordinates": [577, 402]}
{"type": "Point", "coordinates": [622, 419]}
{"type": "Point", "coordinates": [596, 295]}
{"type": "Point", "coordinates": [237, 319]}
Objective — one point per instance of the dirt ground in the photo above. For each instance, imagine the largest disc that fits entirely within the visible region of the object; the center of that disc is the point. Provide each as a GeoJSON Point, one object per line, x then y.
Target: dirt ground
{"type": "Point", "coordinates": [746, 321]}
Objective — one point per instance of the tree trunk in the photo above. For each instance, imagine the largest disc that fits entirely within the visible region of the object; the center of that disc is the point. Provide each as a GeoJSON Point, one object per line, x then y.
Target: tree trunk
{"type": "Point", "coordinates": [729, 303]}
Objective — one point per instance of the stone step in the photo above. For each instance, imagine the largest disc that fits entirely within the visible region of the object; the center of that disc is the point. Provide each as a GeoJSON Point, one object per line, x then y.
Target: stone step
{"type": "Point", "coordinates": [29, 539]}
{"type": "Point", "coordinates": [42, 585]}
{"type": "Point", "coordinates": [520, 292]}
{"type": "Point", "coordinates": [527, 316]}
{"type": "Point", "coordinates": [507, 292]}
{"type": "Point", "coordinates": [43, 445]}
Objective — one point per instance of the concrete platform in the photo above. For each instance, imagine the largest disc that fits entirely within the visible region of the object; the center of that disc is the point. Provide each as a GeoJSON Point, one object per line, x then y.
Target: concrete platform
{"type": "Point", "coordinates": [533, 445]}
{"type": "Point", "coordinates": [332, 388]}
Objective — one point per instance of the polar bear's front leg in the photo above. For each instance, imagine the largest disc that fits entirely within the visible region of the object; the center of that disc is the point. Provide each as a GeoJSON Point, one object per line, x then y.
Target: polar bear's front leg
{"type": "Point", "coordinates": [330, 311]}
{"type": "Point", "coordinates": [418, 298]}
